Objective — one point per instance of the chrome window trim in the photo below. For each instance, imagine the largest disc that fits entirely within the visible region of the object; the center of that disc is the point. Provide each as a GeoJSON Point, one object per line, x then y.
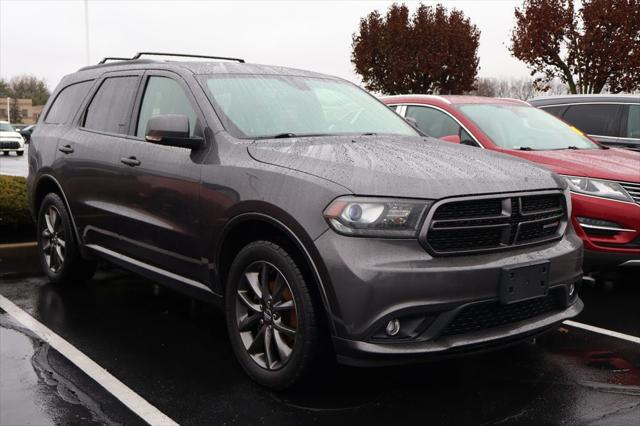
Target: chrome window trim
{"type": "Point", "coordinates": [588, 103]}
{"type": "Point", "coordinates": [404, 111]}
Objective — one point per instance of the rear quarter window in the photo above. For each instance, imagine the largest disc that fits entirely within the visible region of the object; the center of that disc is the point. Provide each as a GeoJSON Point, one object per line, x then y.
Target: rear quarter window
{"type": "Point", "coordinates": [633, 122]}
{"type": "Point", "coordinates": [67, 102]}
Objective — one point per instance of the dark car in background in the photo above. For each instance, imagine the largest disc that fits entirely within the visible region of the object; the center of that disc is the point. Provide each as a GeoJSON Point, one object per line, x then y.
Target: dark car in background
{"type": "Point", "coordinates": [325, 224]}
{"type": "Point", "coordinates": [26, 132]}
{"type": "Point", "coordinates": [605, 182]}
{"type": "Point", "coordinates": [612, 120]}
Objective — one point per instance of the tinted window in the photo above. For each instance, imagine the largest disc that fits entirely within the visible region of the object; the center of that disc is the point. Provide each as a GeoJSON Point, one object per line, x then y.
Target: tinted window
{"type": "Point", "coordinates": [633, 122]}
{"type": "Point", "coordinates": [164, 96]}
{"type": "Point", "coordinates": [594, 119]}
{"type": "Point", "coordinates": [67, 103]}
{"type": "Point", "coordinates": [433, 122]}
{"type": "Point", "coordinates": [109, 110]}
{"type": "Point", "coordinates": [555, 110]}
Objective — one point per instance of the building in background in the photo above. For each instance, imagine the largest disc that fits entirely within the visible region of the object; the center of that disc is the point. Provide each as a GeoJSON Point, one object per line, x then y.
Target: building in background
{"type": "Point", "coordinates": [27, 112]}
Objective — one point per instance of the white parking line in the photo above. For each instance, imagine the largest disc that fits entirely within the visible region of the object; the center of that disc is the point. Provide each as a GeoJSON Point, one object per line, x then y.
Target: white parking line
{"type": "Point", "coordinates": [128, 397]}
{"type": "Point", "coordinates": [604, 331]}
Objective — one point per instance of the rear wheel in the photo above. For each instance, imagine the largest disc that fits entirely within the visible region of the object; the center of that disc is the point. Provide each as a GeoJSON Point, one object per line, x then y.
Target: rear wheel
{"type": "Point", "coordinates": [20, 153]}
{"type": "Point", "coordinates": [57, 247]}
{"type": "Point", "coordinates": [272, 319]}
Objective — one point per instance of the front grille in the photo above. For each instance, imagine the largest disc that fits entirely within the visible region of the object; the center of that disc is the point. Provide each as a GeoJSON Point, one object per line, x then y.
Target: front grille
{"type": "Point", "coordinates": [487, 315]}
{"type": "Point", "coordinates": [469, 209]}
{"type": "Point", "coordinates": [466, 226]}
{"type": "Point", "coordinates": [9, 145]}
{"type": "Point", "coordinates": [633, 189]}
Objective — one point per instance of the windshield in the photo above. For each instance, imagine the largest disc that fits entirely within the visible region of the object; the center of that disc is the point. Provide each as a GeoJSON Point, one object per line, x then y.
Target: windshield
{"type": "Point", "coordinates": [524, 127]}
{"type": "Point", "coordinates": [6, 127]}
{"type": "Point", "coordinates": [267, 106]}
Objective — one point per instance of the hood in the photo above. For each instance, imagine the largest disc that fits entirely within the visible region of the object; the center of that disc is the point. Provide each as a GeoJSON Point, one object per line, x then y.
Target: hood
{"type": "Point", "coordinates": [11, 135]}
{"type": "Point", "coordinates": [404, 166]}
{"type": "Point", "coordinates": [611, 164]}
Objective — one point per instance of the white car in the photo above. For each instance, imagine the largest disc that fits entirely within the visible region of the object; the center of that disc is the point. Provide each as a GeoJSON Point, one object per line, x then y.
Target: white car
{"type": "Point", "coordinates": [10, 140]}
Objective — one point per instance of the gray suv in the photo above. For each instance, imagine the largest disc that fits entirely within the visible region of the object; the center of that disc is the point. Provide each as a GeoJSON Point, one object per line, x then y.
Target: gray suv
{"type": "Point", "coordinates": [612, 120]}
{"type": "Point", "coordinates": [321, 222]}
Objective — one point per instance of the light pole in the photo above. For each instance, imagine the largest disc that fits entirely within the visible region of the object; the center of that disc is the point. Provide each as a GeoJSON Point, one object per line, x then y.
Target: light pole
{"type": "Point", "coordinates": [86, 29]}
{"type": "Point", "coordinates": [8, 110]}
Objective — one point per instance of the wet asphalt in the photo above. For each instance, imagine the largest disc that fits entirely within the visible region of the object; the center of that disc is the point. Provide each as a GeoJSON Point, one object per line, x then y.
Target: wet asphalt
{"type": "Point", "coordinates": [174, 352]}
{"type": "Point", "coordinates": [14, 165]}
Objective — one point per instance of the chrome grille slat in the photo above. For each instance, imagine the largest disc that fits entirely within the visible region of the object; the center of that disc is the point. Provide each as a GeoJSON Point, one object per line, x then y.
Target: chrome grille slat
{"type": "Point", "coordinates": [527, 218]}
{"type": "Point", "coordinates": [633, 189]}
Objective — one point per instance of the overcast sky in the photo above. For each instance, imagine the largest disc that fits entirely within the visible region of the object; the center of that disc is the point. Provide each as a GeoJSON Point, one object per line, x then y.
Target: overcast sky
{"type": "Point", "coordinates": [47, 38]}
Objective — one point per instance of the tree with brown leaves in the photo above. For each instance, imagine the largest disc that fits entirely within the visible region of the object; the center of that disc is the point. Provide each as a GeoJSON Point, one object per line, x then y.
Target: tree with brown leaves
{"type": "Point", "coordinates": [593, 48]}
{"type": "Point", "coordinates": [432, 51]}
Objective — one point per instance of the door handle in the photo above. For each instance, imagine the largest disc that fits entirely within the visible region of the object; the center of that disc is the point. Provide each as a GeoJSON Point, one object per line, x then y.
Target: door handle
{"type": "Point", "coordinates": [130, 161]}
{"type": "Point", "coordinates": [66, 149]}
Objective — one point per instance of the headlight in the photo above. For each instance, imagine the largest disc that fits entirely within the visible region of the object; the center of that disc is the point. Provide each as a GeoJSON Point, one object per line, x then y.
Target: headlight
{"type": "Point", "coordinates": [375, 217]}
{"type": "Point", "coordinates": [597, 188]}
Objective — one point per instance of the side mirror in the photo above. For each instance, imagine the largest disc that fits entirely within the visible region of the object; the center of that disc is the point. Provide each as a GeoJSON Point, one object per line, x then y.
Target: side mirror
{"type": "Point", "coordinates": [171, 130]}
{"type": "Point", "coordinates": [451, 138]}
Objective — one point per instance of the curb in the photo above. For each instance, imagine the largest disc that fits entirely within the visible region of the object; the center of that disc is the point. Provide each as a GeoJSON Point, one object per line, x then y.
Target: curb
{"type": "Point", "coordinates": [13, 246]}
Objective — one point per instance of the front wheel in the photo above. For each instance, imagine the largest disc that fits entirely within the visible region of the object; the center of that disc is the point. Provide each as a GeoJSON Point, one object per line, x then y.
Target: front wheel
{"type": "Point", "coordinates": [273, 322]}
{"type": "Point", "coordinates": [57, 247]}
{"type": "Point", "coordinates": [19, 153]}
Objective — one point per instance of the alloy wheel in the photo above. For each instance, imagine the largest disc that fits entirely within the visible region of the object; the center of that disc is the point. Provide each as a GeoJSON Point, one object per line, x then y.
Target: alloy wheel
{"type": "Point", "coordinates": [266, 315]}
{"type": "Point", "coordinates": [53, 239]}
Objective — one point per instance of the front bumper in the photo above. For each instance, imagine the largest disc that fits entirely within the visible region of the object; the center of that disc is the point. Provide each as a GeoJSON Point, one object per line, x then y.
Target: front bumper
{"type": "Point", "coordinates": [605, 248]}
{"type": "Point", "coordinates": [376, 280]}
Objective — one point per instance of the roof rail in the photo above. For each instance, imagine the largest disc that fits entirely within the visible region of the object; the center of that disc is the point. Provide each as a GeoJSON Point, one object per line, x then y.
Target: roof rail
{"type": "Point", "coordinates": [223, 58]}
{"type": "Point", "coordinates": [112, 58]}
{"type": "Point", "coordinates": [520, 101]}
{"type": "Point", "coordinates": [140, 54]}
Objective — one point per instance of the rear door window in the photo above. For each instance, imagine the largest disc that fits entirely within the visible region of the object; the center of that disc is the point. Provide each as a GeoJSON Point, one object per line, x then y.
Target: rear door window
{"type": "Point", "coordinates": [162, 96]}
{"type": "Point", "coordinates": [110, 108]}
{"type": "Point", "coordinates": [67, 102]}
{"type": "Point", "coordinates": [633, 122]}
{"type": "Point", "coordinates": [594, 119]}
{"type": "Point", "coordinates": [432, 121]}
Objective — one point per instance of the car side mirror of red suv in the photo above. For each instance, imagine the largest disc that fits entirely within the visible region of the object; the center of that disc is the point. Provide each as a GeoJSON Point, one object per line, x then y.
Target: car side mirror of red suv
{"type": "Point", "coordinates": [171, 130]}
{"type": "Point", "coordinates": [451, 138]}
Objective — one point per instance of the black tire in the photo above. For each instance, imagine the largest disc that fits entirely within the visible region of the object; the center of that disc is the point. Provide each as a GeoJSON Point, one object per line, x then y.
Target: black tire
{"type": "Point", "coordinates": [308, 354]}
{"type": "Point", "coordinates": [58, 250]}
{"type": "Point", "coordinates": [20, 153]}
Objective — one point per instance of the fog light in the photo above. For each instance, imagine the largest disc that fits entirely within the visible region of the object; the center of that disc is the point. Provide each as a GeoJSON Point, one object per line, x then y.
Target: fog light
{"type": "Point", "coordinates": [572, 289]}
{"type": "Point", "coordinates": [393, 327]}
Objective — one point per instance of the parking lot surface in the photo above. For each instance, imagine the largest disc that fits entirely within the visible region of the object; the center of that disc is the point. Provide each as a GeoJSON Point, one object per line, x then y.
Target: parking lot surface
{"type": "Point", "coordinates": [174, 353]}
{"type": "Point", "coordinates": [13, 165]}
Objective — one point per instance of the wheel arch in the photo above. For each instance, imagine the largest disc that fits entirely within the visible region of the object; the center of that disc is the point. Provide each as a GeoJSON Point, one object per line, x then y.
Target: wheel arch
{"type": "Point", "coordinates": [252, 226]}
{"type": "Point", "coordinates": [46, 184]}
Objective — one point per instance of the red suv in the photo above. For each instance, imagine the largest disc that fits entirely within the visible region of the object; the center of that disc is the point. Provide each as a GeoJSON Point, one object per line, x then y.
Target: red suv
{"type": "Point", "coordinates": [605, 182]}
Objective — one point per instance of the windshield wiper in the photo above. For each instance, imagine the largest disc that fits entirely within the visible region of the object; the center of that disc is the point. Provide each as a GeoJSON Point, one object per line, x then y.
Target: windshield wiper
{"type": "Point", "coordinates": [525, 148]}
{"type": "Point", "coordinates": [572, 147]}
{"type": "Point", "coordinates": [284, 136]}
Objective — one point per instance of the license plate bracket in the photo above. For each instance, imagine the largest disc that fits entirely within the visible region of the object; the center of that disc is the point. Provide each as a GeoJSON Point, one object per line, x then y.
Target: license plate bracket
{"type": "Point", "coordinates": [523, 282]}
